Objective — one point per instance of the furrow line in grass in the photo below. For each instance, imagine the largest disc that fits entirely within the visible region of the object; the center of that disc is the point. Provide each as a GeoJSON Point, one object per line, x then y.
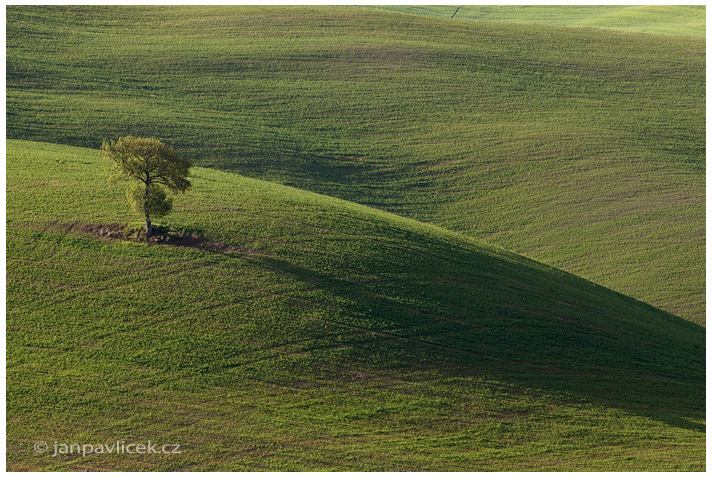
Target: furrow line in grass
{"type": "Point", "coordinates": [294, 353]}
{"type": "Point", "coordinates": [92, 289]}
{"type": "Point", "coordinates": [401, 337]}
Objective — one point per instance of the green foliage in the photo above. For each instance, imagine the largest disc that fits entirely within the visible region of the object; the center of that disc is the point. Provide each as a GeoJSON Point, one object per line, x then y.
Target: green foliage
{"type": "Point", "coordinates": [152, 201]}
{"type": "Point", "coordinates": [580, 148]}
{"type": "Point", "coordinates": [155, 165]}
{"type": "Point", "coordinates": [148, 160]}
{"type": "Point", "coordinates": [333, 337]}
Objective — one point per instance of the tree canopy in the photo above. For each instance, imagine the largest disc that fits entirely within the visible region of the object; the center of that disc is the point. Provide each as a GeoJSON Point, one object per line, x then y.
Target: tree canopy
{"type": "Point", "coordinates": [156, 165]}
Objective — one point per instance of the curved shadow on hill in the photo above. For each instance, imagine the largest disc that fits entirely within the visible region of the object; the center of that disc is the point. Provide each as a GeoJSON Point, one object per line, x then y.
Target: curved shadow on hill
{"type": "Point", "coordinates": [534, 327]}
{"type": "Point", "coordinates": [404, 301]}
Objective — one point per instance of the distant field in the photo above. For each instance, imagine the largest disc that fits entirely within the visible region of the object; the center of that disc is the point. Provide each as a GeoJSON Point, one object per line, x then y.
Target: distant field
{"type": "Point", "coordinates": [688, 20]}
{"type": "Point", "coordinates": [309, 333]}
{"type": "Point", "coordinates": [583, 149]}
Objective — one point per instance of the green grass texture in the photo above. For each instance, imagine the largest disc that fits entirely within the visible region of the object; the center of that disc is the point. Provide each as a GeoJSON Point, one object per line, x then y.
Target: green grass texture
{"type": "Point", "coordinates": [580, 148]}
{"type": "Point", "coordinates": [332, 336]}
{"type": "Point", "coordinates": [686, 20]}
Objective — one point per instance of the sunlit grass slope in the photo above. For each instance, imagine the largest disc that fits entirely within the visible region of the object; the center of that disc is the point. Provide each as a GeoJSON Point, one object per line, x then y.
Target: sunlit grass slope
{"type": "Point", "coordinates": [687, 20]}
{"type": "Point", "coordinates": [583, 149]}
{"type": "Point", "coordinates": [337, 337]}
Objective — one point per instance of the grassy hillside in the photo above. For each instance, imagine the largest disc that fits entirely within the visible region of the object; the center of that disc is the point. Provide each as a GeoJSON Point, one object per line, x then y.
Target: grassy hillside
{"type": "Point", "coordinates": [583, 149]}
{"type": "Point", "coordinates": [305, 332]}
{"type": "Point", "coordinates": [687, 20]}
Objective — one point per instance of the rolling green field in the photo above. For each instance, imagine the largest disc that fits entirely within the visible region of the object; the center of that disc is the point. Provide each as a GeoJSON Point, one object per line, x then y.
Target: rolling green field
{"type": "Point", "coordinates": [309, 333]}
{"type": "Point", "coordinates": [455, 244]}
{"type": "Point", "coordinates": [583, 149]}
{"type": "Point", "coordinates": [687, 20]}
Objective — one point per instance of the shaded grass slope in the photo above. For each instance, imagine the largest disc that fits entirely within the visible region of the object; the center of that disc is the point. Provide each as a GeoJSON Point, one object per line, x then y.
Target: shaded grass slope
{"type": "Point", "coordinates": [686, 20]}
{"type": "Point", "coordinates": [328, 336]}
{"type": "Point", "coordinates": [582, 149]}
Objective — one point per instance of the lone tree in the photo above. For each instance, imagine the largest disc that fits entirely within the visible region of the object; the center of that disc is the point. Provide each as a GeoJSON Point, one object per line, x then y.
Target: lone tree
{"type": "Point", "coordinates": [153, 163]}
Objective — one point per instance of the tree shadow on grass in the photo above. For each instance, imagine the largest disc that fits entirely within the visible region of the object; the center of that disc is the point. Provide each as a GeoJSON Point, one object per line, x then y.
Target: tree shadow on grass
{"type": "Point", "coordinates": [449, 312]}
{"type": "Point", "coordinates": [591, 344]}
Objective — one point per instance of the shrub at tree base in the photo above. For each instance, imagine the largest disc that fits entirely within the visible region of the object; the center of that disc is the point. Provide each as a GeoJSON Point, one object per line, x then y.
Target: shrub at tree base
{"type": "Point", "coordinates": [152, 200]}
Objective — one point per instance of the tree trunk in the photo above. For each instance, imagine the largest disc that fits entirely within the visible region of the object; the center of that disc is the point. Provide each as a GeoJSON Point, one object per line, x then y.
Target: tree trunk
{"type": "Point", "coordinates": [149, 228]}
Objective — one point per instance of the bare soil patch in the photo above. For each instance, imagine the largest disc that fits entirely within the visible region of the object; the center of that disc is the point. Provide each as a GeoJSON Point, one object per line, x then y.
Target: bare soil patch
{"type": "Point", "coordinates": [161, 236]}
